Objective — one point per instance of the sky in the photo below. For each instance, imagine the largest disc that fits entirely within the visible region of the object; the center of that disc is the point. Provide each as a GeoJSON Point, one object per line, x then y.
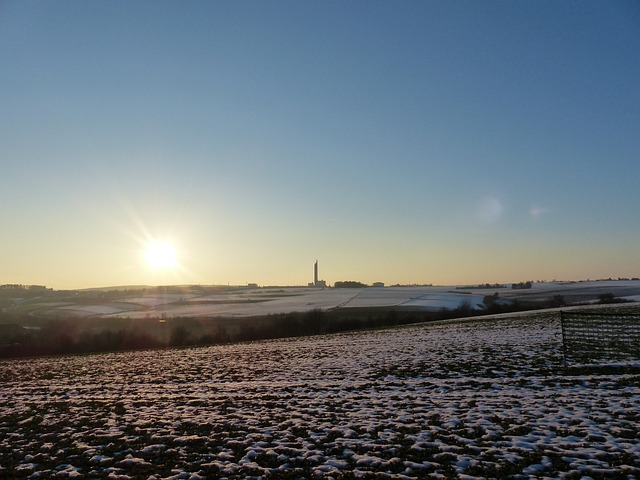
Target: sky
{"type": "Point", "coordinates": [412, 142]}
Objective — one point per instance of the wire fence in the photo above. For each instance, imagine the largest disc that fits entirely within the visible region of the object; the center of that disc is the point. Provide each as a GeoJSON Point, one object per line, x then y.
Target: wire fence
{"type": "Point", "coordinates": [589, 337]}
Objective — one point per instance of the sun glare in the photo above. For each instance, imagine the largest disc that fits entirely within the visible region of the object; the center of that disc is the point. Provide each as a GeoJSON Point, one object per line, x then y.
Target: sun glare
{"type": "Point", "coordinates": [160, 255]}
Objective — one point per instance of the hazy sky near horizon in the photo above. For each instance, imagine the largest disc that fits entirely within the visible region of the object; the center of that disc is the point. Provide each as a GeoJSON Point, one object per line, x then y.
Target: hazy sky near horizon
{"type": "Point", "coordinates": [404, 142]}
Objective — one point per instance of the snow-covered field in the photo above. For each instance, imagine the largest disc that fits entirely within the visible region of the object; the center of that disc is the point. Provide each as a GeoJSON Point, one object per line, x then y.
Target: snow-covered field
{"type": "Point", "coordinates": [243, 302]}
{"type": "Point", "coordinates": [474, 399]}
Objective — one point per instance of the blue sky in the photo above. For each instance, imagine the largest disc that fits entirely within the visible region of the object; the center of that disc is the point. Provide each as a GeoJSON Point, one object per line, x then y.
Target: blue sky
{"type": "Point", "coordinates": [405, 142]}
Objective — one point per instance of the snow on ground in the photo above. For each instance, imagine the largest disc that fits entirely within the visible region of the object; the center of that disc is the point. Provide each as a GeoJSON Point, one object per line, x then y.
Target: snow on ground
{"type": "Point", "coordinates": [417, 298]}
{"type": "Point", "coordinates": [264, 301]}
{"type": "Point", "coordinates": [160, 299]}
{"type": "Point", "coordinates": [449, 301]}
{"type": "Point", "coordinates": [471, 399]}
{"type": "Point", "coordinates": [249, 304]}
{"type": "Point", "coordinates": [295, 300]}
{"type": "Point", "coordinates": [384, 297]}
{"type": "Point", "coordinates": [91, 310]}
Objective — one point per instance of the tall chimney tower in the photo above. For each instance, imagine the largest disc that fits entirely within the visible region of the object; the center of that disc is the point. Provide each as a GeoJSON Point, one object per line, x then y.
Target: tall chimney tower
{"type": "Point", "coordinates": [315, 273]}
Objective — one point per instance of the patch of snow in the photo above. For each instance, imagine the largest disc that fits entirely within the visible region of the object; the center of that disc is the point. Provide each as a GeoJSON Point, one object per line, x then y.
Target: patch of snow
{"type": "Point", "coordinates": [465, 398]}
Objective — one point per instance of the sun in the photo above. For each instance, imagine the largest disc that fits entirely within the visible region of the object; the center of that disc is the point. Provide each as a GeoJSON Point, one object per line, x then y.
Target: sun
{"type": "Point", "coordinates": [160, 255]}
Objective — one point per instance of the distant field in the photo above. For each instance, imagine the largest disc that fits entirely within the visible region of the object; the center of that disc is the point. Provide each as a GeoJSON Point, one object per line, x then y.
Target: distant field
{"type": "Point", "coordinates": [456, 399]}
{"type": "Point", "coordinates": [247, 302]}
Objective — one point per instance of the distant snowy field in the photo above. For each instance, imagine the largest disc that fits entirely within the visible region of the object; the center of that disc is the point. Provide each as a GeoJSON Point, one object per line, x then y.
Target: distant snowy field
{"type": "Point", "coordinates": [253, 302]}
{"type": "Point", "coordinates": [461, 399]}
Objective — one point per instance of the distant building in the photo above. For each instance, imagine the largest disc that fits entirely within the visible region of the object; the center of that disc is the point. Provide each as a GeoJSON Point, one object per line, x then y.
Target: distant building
{"type": "Point", "coordinates": [378, 284]}
{"type": "Point", "coordinates": [317, 283]}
